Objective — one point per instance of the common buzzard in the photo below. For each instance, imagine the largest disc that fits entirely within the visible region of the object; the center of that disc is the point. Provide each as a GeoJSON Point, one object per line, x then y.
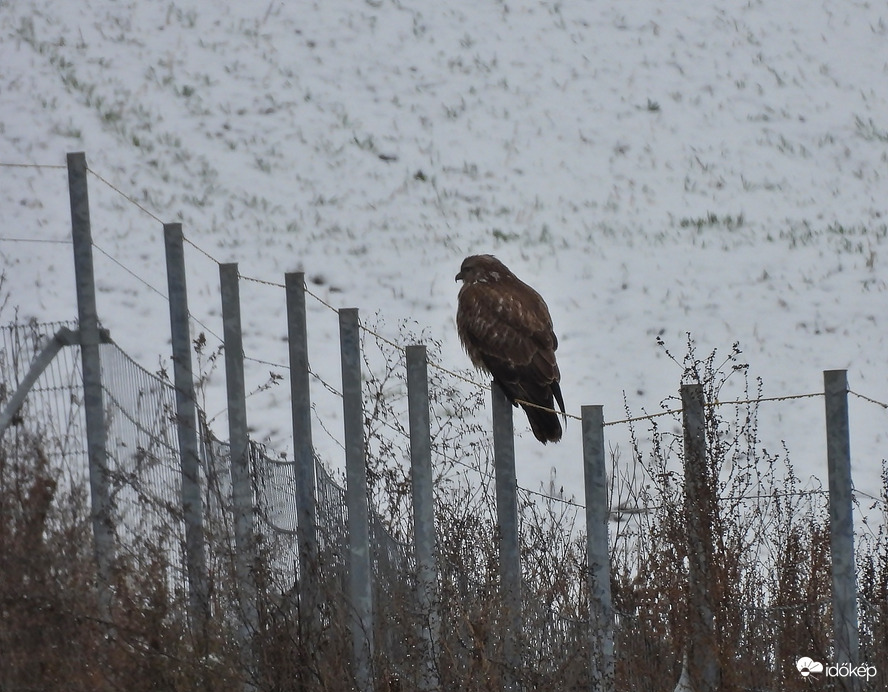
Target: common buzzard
{"type": "Point", "coordinates": [505, 327]}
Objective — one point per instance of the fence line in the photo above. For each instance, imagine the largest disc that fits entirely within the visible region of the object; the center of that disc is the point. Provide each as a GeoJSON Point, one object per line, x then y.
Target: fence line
{"type": "Point", "coordinates": [332, 389]}
{"type": "Point", "coordinates": [149, 453]}
{"type": "Point", "coordinates": [384, 339]}
{"type": "Point", "coordinates": [242, 493]}
{"type": "Point", "coordinates": [374, 333]}
{"type": "Point", "coordinates": [455, 374]}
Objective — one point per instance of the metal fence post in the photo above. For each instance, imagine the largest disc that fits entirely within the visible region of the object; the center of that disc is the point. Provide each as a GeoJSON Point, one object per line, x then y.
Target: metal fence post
{"type": "Point", "coordinates": [700, 508]}
{"type": "Point", "coordinates": [841, 519]}
{"type": "Point", "coordinates": [509, 547]}
{"type": "Point", "coordinates": [601, 608]}
{"type": "Point", "coordinates": [360, 575]}
{"type": "Point", "coordinates": [423, 512]}
{"type": "Point", "coordinates": [303, 451]}
{"type": "Point", "coordinates": [93, 397]}
{"type": "Point", "coordinates": [186, 429]}
{"type": "Point", "coordinates": [241, 486]}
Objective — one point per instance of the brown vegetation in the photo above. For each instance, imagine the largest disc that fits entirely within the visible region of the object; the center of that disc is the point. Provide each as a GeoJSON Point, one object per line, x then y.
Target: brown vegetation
{"type": "Point", "coordinates": [770, 588]}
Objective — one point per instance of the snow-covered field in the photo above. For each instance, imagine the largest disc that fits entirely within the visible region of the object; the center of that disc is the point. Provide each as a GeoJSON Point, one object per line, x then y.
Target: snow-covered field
{"type": "Point", "coordinates": [652, 169]}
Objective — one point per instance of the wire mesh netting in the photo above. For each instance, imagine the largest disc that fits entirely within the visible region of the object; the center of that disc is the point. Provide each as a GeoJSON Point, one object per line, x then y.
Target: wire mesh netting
{"type": "Point", "coordinates": [53, 407]}
{"type": "Point", "coordinates": [787, 600]}
{"type": "Point", "coordinates": [145, 478]}
{"type": "Point", "coordinates": [143, 464]}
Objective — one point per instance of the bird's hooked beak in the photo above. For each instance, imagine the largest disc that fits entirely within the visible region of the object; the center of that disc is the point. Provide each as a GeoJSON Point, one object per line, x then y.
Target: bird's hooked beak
{"type": "Point", "coordinates": [459, 276]}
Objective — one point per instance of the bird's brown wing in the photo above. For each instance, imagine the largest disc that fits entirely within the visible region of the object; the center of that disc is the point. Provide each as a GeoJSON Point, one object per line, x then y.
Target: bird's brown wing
{"type": "Point", "coordinates": [506, 329]}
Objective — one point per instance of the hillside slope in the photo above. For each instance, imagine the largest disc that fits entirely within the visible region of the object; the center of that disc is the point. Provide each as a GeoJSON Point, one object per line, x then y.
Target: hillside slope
{"type": "Point", "coordinates": [717, 170]}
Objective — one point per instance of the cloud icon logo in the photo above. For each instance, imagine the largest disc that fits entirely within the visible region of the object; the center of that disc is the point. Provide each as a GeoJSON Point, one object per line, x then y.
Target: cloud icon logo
{"type": "Point", "coordinates": [807, 666]}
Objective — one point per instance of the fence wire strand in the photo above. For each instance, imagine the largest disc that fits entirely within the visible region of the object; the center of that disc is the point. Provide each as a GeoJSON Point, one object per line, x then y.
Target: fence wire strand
{"type": "Point", "coordinates": [868, 399]}
{"type": "Point", "coordinates": [47, 241]}
{"type": "Point", "coordinates": [125, 196]}
{"type": "Point", "coordinates": [38, 166]}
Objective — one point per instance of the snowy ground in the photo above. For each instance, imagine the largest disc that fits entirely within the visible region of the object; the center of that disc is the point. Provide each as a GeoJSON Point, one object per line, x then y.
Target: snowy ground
{"type": "Point", "coordinates": [719, 169]}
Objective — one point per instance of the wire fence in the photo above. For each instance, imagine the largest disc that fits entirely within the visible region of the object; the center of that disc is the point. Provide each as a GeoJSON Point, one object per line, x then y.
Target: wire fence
{"type": "Point", "coordinates": [146, 490]}
{"type": "Point", "coordinates": [60, 413]}
{"type": "Point", "coordinates": [144, 465]}
{"type": "Point", "coordinates": [145, 478]}
{"type": "Point", "coordinates": [461, 376]}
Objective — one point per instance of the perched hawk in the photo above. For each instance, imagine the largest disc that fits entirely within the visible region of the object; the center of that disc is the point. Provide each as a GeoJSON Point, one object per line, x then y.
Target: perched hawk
{"type": "Point", "coordinates": [505, 327]}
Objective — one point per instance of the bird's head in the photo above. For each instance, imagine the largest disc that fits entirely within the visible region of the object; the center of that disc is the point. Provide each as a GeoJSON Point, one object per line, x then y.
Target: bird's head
{"type": "Point", "coordinates": [481, 268]}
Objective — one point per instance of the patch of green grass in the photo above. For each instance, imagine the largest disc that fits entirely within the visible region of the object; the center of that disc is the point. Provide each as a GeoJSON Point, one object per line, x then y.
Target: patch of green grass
{"type": "Point", "coordinates": [857, 239]}
{"type": "Point", "coordinates": [868, 130]}
{"type": "Point", "coordinates": [711, 220]}
{"type": "Point", "coordinates": [68, 130]}
{"type": "Point", "coordinates": [504, 236]}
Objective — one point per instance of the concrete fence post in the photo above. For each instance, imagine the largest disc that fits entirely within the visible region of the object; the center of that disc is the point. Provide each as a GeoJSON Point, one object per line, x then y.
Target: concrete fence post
{"type": "Point", "coordinates": [93, 395]}
{"type": "Point", "coordinates": [841, 519]}
{"type": "Point", "coordinates": [601, 608]}
{"type": "Point", "coordinates": [700, 508]}
{"type": "Point", "coordinates": [423, 513]}
{"type": "Point", "coordinates": [360, 574]}
{"type": "Point", "coordinates": [241, 484]}
{"type": "Point", "coordinates": [509, 545]}
{"type": "Point", "coordinates": [303, 451]}
{"type": "Point", "coordinates": [186, 429]}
